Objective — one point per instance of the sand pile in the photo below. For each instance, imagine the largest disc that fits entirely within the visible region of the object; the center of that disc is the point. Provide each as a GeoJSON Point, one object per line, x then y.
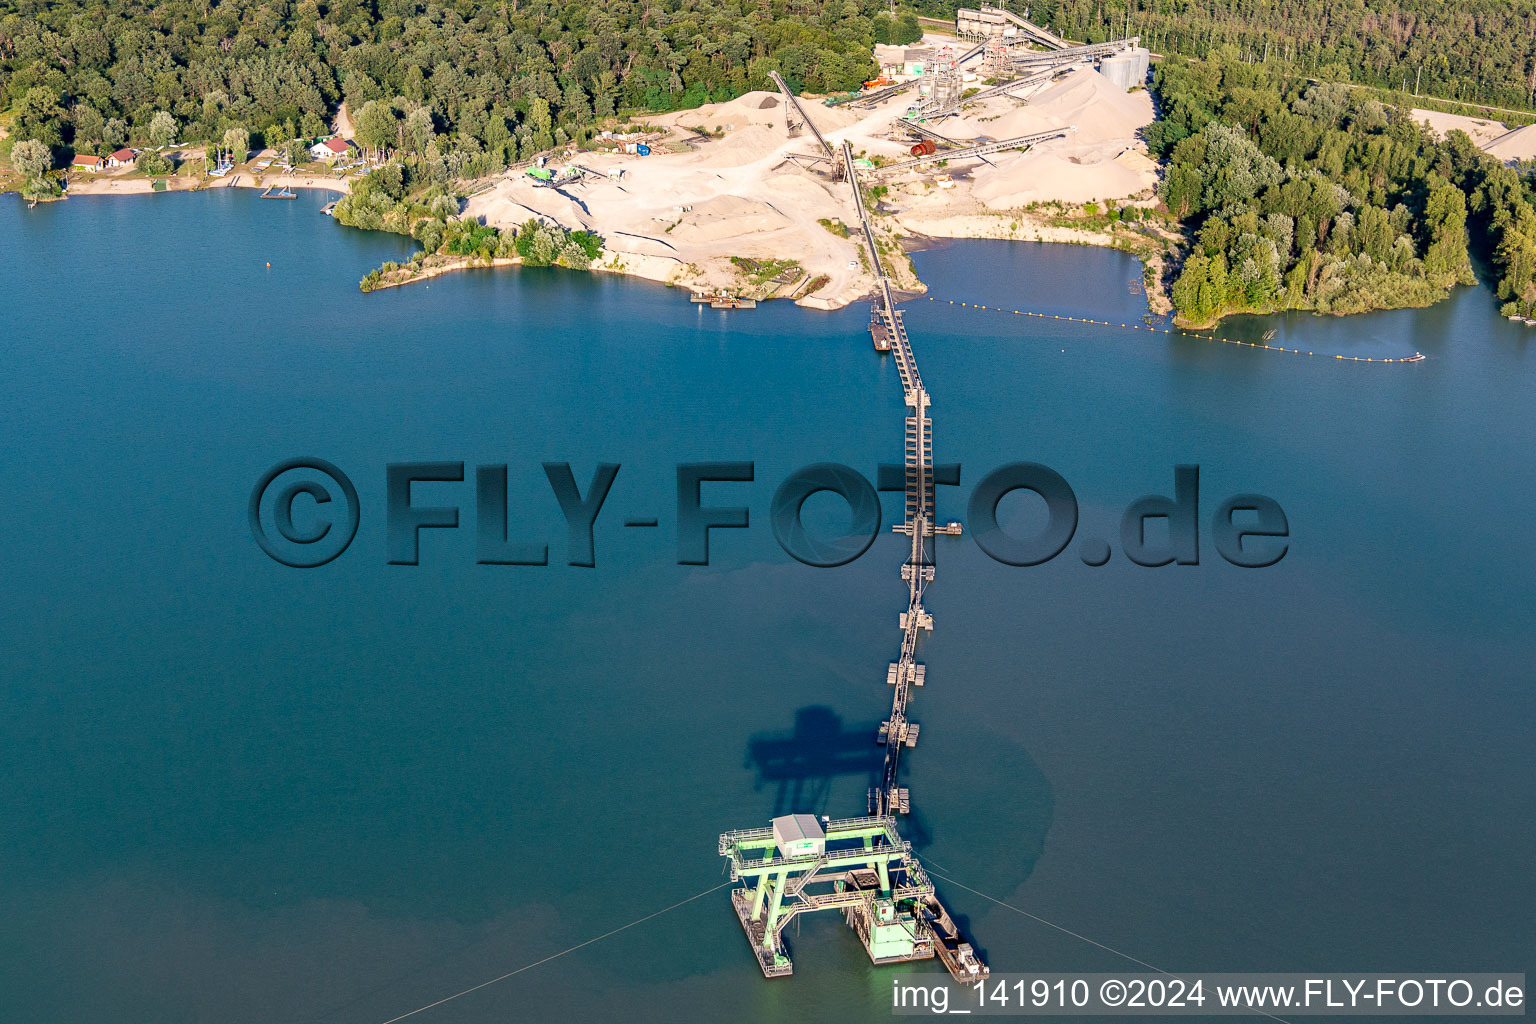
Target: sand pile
{"type": "Point", "coordinates": [1059, 175]}
{"type": "Point", "coordinates": [1488, 135]}
{"type": "Point", "coordinates": [1481, 130]}
{"type": "Point", "coordinates": [681, 216]}
{"type": "Point", "coordinates": [831, 119]}
{"type": "Point", "coordinates": [894, 149]}
{"type": "Point", "coordinates": [746, 109]}
{"type": "Point", "coordinates": [1103, 160]}
{"type": "Point", "coordinates": [745, 145]}
{"type": "Point", "coordinates": [1084, 98]}
{"type": "Point", "coordinates": [792, 189]}
{"type": "Point", "coordinates": [513, 203]}
{"type": "Point", "coordinates": [1138, 161]}
{"type": "Point", "coordinates": [1510, 147]}
{"type": "Point", "coordinates": [721, 217]}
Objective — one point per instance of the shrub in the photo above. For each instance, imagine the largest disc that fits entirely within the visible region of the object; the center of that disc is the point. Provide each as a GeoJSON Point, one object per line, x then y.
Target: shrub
{"type": "Point", "coordinates": [430, 234]}
{"type": "Point", "coordinates": [575, 257]}
{"type": "Point", "coordinates": [32, 158]}
{"type": "Point", "coordinates": [468, 238]}
{"type": "Point", "coordinates": [155, 164]}
{"type": "Point", "coordinates": [590, 243]}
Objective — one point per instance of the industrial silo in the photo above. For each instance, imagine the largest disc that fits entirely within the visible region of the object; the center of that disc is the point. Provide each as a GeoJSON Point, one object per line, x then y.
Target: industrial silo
{"type": "Point", "coordinates": [1128, 68]}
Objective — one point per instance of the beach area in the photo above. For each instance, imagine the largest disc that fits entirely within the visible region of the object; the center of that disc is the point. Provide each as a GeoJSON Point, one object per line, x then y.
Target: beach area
{"type": "Point", "coordinates": [107, 184]}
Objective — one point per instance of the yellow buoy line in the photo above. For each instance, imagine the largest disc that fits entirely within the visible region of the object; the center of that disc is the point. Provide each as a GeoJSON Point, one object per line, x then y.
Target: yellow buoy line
{"type": "Point", "coordinates": [1416, 357]}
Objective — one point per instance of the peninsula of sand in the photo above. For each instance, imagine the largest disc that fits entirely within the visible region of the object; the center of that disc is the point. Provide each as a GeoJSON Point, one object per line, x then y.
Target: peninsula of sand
{"type": "Point", "coordinates": [728, 185]}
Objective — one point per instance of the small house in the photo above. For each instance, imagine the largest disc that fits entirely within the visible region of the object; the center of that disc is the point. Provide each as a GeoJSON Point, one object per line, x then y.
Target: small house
{"type": "Point", "coordinates": [85, 162]}
{"type": "Point", "coordinates": [330, 149]}
{"type": "Point", "coordinates": [799, 835]}
{"type": "Point", "coordinates": [123, 158]}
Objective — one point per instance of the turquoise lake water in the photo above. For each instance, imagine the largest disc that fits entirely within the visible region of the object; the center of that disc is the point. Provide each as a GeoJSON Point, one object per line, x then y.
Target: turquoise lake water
{"type": "Point", "coordinates": [235, 791]}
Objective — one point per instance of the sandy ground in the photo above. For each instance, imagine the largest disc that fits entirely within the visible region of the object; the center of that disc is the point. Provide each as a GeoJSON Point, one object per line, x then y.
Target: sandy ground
{"type": "Point", "coordinates": [1492, 137]}
{"type": "Point", "coordinates": [1102, 160]}
{"type": "Point", "coordinates": [1481, 129]}
{"type": "Point", "coordinates": [679, 217]}
{"type": "Point", "coordinates": [1514, 147]}
{"type": "Point", "coordinates": [126, 183]}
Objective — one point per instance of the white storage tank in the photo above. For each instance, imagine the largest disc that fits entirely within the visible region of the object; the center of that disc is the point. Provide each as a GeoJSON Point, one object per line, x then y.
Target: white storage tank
{"type": "Point", "coordinates": [1128, 68]}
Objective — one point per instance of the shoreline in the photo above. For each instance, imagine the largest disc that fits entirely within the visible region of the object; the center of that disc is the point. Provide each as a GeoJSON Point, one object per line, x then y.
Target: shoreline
{"type": "Point", "coordinates": [915, 231]}
{"type": "Point", "coordinates": [1191, 325]}
{"type": "Point", "coordinates": [727, 201]}
{"type": "Point", "coordinates": [108, 185]}
{"type": "Point", "coordinates": [1022, 226]}
{"type": "Point", "coordinates": [658, 273]}
{"type": "Point", "coordinates": [912, 228]}
{"type": "Point", "coordinates": [718, 212]}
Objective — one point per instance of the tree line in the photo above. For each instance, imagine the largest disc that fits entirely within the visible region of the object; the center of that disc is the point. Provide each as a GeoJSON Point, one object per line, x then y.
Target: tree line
{"type": "Point", "coordinates": [462, 87]}
{"type": "Point", "coordinates": [1472, 51]}
{"type": "Point", "coordinates": [534, 243]}
{"type": "Point", "coordinates": [1299, 195]}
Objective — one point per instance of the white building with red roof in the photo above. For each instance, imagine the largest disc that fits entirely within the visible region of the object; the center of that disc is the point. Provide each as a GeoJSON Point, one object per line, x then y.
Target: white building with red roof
{"type": "Point", "coordinates": [86, 162]}
{"type": "Point", "coordinates": [330, 149]}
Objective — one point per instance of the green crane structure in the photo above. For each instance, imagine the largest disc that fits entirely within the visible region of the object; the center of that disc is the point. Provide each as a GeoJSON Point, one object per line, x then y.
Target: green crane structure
{"type": "Point", "coordinates": [860, 866]}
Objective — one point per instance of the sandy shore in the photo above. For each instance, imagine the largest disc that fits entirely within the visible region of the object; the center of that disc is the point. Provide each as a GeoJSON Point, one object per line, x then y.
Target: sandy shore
{"type": "Point", "coordinates": [437, 266]}
{"type": "Point", "coordinates": [1021, 226]}
{"type": "Point", "coordinates": [109, 184]}
{"type": "Point", "coordinates": [441, 265]}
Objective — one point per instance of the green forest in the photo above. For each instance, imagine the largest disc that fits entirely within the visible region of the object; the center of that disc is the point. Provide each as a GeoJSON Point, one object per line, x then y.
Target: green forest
{"type": "Point", "coordinates": [1299, 195]}
{"type": "Point", "coordinates": [1471, 51]}
{"type": "Point", "coordinates": [465, 87]}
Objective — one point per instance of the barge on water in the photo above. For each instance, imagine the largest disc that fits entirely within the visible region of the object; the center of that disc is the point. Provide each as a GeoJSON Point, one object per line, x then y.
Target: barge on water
{"type": "Point", "coordinates": [880, 334]}
{"type": "Point", "coordinates": [722, 301]}
{"type": "Point", "coordinates": [860, 866]}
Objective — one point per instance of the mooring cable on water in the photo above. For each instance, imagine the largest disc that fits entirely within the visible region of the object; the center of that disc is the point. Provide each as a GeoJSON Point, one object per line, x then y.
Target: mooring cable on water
{"type": "Point", "coordinates": [1048, 924]}
{"type": "Point", "coordinates": [1068, 931]}
{"type": "Point", "coordinates": [1417, 357]}
{"type": "Point", "coordinates": [931, 869]}
{"type": "Point", "coordinates": [556, 956]}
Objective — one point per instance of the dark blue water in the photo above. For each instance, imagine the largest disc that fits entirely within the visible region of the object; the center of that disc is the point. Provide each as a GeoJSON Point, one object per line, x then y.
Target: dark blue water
{"type": "Point", "coordinates": [236, 791]}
